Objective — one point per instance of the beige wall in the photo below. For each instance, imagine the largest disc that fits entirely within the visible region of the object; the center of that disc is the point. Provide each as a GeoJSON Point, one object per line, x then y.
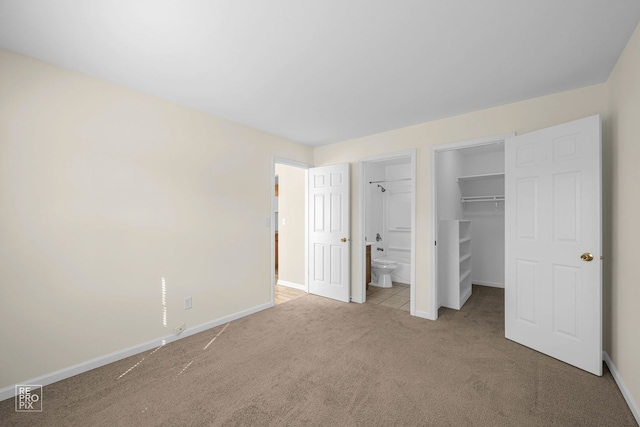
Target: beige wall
{"type": "Point", "coordinates": [520, 117]}
{"type": "Point", "coordinates": [105, 191]}
{"type": "Point", "coordinates": [291, 236]}
{"type": "Point", "coordinates": [621, 207]}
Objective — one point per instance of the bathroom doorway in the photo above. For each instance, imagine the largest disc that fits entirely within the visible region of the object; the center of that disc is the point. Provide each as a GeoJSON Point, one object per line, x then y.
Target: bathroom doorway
{"type": "Point", "coordinates": [289, 227]}
{"type": "Point", "coordinates": [387, 230]}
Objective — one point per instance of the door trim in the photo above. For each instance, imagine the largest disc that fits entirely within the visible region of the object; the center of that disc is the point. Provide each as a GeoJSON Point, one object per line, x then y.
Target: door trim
{"type": "Point", "coordinates": [361, 297]}
{"type": "Point", "coordinates": [283, 161]}
{"type": "Point", "coordinates": [433, 209]}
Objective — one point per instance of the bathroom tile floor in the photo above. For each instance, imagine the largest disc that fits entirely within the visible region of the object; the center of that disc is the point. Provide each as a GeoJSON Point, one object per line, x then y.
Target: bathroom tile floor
{"type": "Point", "coordinates": [396, 296]}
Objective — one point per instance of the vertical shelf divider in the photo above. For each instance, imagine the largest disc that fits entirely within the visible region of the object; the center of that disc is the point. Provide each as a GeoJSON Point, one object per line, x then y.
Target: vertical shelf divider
{"type": "Point", "coordinates": [454, 238]}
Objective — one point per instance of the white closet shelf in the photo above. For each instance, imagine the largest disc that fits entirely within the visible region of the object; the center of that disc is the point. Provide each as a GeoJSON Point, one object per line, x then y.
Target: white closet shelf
{"type": "Point", "coordinates": [481, 176]}
{"type": "Point", "coordinates": [463, 258]}
{"type": "Point", "coordinates": [465, 239]}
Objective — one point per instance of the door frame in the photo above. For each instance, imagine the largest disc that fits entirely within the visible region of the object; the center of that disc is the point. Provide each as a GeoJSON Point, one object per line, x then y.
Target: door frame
{"type": "Point", "coordinates": [271, 222]}
{"type": "Point", "coordinates": [361, 248]}
{"type": "Point", "coordinates": [433, 210]}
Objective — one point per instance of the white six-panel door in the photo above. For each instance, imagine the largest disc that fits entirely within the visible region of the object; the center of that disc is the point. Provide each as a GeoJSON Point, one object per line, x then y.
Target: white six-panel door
{"type": "Point", "coordinates": [329, 232]}
{"type": "Point", "coordinates": [553, 291]}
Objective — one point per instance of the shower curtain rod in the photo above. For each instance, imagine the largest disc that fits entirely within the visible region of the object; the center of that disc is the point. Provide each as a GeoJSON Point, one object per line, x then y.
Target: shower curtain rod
{"type": "Point", "coordinates": [390, 180]}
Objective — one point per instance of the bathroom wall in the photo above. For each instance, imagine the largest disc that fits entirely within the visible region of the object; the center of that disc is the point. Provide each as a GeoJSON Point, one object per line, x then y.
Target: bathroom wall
{"type": "Point", "coordinates": [389, 213]}
{"type": "Point", "coordinates": [397, 217]}
{"type": "Point", "coordinates": [375, 171]}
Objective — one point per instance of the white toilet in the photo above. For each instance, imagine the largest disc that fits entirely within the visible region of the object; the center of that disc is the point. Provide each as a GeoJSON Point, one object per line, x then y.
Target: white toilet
{"type": "Point", "coordinates": [382, 268]}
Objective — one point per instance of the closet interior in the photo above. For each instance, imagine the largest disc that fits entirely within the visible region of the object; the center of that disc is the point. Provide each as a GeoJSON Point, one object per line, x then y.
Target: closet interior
{"type": "Point", "coordinates": [470, 210]}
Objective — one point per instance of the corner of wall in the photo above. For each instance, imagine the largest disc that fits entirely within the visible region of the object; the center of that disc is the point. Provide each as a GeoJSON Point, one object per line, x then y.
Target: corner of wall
{"type": "Point", "coordinates": [633, 406]}
{"type": "Point", "coordinates": [621, 131]}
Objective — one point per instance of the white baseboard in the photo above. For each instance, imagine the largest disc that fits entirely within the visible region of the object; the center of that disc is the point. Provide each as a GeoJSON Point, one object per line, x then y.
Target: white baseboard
{"type": "Point", "coordinates": [491, 284]}
{"type": "Point", "coordinates": [291, 285]}
{"type": "Point", "coordinates": [635, 410]}
{"type": "Point", "coordinates": [59, 375]}
{"type": "Point", "coordinates": [423, 314]}
{"type": "Point", "coordinates": [359, 300]}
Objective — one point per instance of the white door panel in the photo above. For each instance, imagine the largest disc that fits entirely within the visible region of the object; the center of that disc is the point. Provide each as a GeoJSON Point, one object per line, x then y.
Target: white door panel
{"type": "Point", "coordinates": [553, 299]}
{"type": "Point", "coordinates": [329, 237]}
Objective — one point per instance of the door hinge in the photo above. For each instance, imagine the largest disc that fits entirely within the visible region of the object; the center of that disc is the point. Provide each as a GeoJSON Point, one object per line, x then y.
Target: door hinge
{"type": "Point", "coordinates": [435, 243]}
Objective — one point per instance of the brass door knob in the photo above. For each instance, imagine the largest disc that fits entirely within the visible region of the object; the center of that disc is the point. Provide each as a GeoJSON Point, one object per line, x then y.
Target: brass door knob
{"type": "Point", "coordinates": [344, 239]}
{"type": "Point", "coordinates": [586, 257]}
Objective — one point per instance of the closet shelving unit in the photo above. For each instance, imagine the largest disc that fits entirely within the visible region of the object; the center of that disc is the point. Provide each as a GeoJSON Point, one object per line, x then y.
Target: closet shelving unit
{"type": "Point", "coordinates": [482, 188]}
{"type": "Point", "coordinates": [456, 244]}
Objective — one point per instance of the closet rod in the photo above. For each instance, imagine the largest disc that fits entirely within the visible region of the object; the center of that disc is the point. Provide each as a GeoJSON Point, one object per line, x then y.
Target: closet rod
{"type": "Point", "coordinates": [482, 199]}
{"type": "Point", "coordinates": [390, 180]}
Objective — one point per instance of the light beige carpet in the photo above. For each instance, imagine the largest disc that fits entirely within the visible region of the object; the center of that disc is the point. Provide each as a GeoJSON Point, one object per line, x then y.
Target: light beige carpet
{"type": "Point", "coordinates": [317, 362]}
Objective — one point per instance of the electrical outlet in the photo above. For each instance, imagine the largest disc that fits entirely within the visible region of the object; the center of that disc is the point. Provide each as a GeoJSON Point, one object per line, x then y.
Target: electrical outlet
{"type": "Point", "coordinates": [187, 303]}
{"type": "Point", "coordinates": [179, 329]}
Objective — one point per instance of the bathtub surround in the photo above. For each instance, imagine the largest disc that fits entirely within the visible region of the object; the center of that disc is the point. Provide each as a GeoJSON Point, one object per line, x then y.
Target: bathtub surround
{"type": "Point", "coordinates": [388, 215]}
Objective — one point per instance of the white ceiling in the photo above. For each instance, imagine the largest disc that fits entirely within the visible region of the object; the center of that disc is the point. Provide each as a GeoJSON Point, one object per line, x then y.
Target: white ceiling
{"type": "Point", "coordinates": [324, 71]}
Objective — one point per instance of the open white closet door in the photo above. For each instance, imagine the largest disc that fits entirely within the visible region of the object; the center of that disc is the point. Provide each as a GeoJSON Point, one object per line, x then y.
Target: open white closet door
{"type": "Point", "coordinates": [553, 271]}
{"type": "Point", "coordinates": [329, 232]}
